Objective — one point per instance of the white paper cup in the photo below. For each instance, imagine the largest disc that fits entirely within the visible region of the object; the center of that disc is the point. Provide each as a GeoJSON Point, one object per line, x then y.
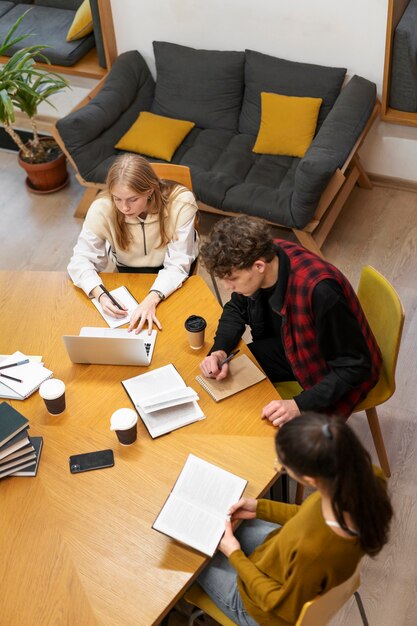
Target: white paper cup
{"type": "Point", "coordinates": [53, 393]}
{"type": "Point", "coordinates": [125, 424]}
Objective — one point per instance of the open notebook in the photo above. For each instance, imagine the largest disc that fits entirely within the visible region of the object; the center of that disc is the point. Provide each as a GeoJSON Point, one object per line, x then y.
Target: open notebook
{"type": "Point", "coordinates": [243, 373]}
{"type": "Point", "coordinates": [122, 295]}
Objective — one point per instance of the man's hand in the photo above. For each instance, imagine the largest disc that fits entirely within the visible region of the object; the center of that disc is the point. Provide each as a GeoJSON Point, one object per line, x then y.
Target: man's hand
{"type": "Point", "coordinates": [229, 543]}
{"type": "Point", "coordinates": [210, 366]}
{"type": "Point", "coordinates": [280, 411]}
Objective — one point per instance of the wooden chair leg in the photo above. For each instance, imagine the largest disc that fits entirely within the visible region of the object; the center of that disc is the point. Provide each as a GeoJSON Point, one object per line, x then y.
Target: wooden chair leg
{"type": "Point", "coordinates": [375, 427]}
{"type": "Point", "coordinates": [299, 493]}
{"type": "Point", "coordinates": [363, 180]}
{"type": "Point", "coordinates": [88, 197]}
{"type": "Point", "coordinates": [307, 240]}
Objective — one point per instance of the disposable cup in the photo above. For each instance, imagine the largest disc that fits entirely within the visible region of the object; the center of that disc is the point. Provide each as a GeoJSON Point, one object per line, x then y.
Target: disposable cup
{"type": "Point", "coordinates": [53, 393]}
{"type": "Point", "coordinates": [195, 325]}
{"type": "Point", "coordinates": [125, 424]}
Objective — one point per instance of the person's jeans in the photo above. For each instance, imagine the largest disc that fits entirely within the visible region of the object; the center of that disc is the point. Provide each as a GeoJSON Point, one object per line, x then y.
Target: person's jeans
{"type": "Point", "coordinates": [219, 579]}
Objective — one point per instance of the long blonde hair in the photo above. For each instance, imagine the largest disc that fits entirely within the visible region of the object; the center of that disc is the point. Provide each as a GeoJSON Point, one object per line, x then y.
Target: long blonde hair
{"type": "Point", "coordinates": [135, 172]}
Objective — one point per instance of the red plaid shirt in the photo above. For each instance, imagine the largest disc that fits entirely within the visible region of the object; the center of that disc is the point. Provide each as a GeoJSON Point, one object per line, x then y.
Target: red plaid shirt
{"type": "Point", "coordinates": [298, 329]}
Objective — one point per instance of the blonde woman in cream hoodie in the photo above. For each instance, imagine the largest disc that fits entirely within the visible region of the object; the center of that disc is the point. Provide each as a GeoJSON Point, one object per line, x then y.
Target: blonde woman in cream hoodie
{"type": "Point", "coordinates": [140, 223]}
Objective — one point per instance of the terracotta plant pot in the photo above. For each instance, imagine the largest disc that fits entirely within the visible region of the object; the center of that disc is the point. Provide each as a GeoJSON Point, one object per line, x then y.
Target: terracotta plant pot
{"type": "Point", "coordinates": [45, 177]}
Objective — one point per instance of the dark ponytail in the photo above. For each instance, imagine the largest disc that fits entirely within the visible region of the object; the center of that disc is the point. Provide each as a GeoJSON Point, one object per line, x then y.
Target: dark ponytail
{"type": "Point", "coordinates": [326, 448]}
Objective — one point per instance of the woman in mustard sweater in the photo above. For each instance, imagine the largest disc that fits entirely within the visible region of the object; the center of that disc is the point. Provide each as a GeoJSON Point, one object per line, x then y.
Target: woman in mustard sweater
{"type": "Point", "coordinates": [289, 554]}
{"type": "Point", "coordinates": [140, 223]}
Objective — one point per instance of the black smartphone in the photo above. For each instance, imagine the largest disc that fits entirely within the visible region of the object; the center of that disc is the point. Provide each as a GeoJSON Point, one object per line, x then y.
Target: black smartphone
{"type": "Point", "coordinates": [91, 461]}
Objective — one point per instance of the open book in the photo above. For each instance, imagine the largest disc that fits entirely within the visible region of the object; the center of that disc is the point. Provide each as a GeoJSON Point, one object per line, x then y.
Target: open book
{"type": "Point", "coordinates": [122, 295]}
{"type": "Point", "coordinates": [163, 411]}
{"type": "Point", "coordinates": [196, 509]}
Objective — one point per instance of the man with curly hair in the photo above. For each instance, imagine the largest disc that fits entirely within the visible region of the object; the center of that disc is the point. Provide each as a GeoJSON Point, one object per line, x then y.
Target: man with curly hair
{"type": "Point", "coordinates": [305, 318]}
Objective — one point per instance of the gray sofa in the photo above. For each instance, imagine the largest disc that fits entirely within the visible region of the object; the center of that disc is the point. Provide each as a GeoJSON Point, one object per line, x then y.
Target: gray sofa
{"type": "Point", "coordinates": [48, 22]}
{"type": "Point", "coordinates": [220, 92]}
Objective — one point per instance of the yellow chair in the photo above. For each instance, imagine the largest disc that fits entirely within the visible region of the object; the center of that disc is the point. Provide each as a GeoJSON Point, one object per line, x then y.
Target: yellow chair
{"type": "Point", "coordinates": [317, 612]}
{"type": "Point", "coordinates": [385, 314]}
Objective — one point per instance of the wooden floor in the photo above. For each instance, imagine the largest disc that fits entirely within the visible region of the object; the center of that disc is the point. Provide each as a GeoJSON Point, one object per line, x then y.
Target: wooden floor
{"type": "Point", "coordinates": [378, 227]}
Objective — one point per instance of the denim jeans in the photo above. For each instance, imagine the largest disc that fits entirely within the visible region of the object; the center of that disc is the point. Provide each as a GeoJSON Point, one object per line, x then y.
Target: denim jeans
{"type": "Point", "coordinates": [219, 579]}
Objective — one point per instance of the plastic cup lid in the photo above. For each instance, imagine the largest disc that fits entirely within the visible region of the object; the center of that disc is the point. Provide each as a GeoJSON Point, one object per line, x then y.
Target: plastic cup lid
{"type": "Point", "coordinates": [195, 323]}
{"type": "Point", "coordinates": [51, 389]}
{"type": "Point", "coordinates": [123, 419]}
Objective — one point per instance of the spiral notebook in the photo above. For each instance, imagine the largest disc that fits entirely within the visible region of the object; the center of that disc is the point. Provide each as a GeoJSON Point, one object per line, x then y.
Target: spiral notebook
{"type": "Point", "coordinates": [243, 373]}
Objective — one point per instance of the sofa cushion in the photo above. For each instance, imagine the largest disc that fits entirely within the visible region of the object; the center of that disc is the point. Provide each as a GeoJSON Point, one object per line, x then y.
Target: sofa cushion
{"type": "Point", "coordinates": [73, 5]}
{"type": "Point", "coordinates": [203, 86]}
{"type": "Point", "coordinates": [82, 24]}
{"type": "Point", "coordinates": [37, 23]}
{"type": "Point", "coordinates": [5, 6]}
{"type": "Point", "coordinates": [90, 133]}
{"type": "Point", "coordinates": [288, 124]}
{"type": "Point", "coordinates": [403, 81]}
{"type": "Point", "coordinates": [155, 135]}
{"type": "Point", "coordinates": [289, 78]}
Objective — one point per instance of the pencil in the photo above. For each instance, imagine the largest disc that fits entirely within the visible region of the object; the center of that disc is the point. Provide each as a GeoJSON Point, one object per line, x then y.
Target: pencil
{"type": "Point", "coordinates": [11, 378]}
{"type": "Point", "coordinates": [3, 367]}
{"type": "Point", "coordinates": [111, 297]}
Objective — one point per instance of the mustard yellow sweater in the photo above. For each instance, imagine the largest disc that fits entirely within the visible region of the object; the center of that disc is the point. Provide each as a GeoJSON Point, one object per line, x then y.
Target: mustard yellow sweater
{"type": "Point", "coordinates": [295, 563]}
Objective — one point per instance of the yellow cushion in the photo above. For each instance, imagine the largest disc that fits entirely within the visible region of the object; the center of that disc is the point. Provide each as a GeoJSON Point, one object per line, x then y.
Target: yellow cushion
{"type": "Point", "coordinates": [288, 124]}
{"type": "Point", "coordinates": [155, 135]}
{"type": "Point", "coordinates": [82, 24]}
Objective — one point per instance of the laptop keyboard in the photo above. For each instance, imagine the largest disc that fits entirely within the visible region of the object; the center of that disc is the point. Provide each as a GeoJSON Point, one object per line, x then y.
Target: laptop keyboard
{"type": "Point", "coordinates": [147, 348]}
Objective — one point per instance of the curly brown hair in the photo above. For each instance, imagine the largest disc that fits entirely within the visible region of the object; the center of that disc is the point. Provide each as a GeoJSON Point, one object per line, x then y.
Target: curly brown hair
{"type": "Point", "coordinates": [235, 243]}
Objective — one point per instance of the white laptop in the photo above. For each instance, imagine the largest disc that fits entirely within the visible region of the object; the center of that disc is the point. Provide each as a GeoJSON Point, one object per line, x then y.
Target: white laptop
{"type": "Point", "coordinates": [110, 346]}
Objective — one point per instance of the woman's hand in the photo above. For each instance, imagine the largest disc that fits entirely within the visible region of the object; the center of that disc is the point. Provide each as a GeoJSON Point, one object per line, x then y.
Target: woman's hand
{"type": "Point", "coordinates": [245, 508]}
{"type": "Point", "coordinates": [145, 314]}
{"type": "Point", "coordinates": [109, 308]}
{"type": "Point", "coordinates": [229, 543]}
{"type": "Point", "coordinates": [210, 366]}
{"type": "Point", "coordinates": [280, 411]}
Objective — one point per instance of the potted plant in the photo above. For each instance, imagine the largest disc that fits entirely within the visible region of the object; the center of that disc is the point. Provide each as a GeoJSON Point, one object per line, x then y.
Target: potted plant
{"type": "Point", "coordinates": [24, 86]}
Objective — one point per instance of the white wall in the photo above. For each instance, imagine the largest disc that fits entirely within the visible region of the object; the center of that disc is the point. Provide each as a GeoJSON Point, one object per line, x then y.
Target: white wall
{"type": "Point", "coordinates": [330, 32]}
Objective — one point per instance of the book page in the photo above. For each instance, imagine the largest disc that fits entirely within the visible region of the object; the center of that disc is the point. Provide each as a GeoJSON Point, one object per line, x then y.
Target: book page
{"type": "Point", "coordinates": [168, 399]}
{"type": "Point", "coordinates": [165, 420]}
{"type": "Point", "coordinates": [123, 296]}
{"type": "Point", "coordinates": [191, 525]}
{"type": "Point", "coordinates": [208, 486]}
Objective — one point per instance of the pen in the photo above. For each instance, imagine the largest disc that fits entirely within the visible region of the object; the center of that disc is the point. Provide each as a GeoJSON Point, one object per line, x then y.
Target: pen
{"type": "Point", "coordinates": [111, 297]}
{"type": "Point", "coordinates": [11, 378]}
{"type": "Point", "coordinates": [227, 359]}
{"type": "Point", "coordinates": [3, 367]}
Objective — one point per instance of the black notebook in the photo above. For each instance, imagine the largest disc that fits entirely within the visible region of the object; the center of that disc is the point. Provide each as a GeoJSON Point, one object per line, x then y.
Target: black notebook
{"type": "Point", "coordinates": [11, 422]}
{"type": "Point", "coordinates": [15, 443]}
{"type": "Point", "coordinates": [32, 468]}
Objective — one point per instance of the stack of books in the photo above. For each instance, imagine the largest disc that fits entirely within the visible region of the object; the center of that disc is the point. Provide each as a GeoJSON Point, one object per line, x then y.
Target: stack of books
{"type": "Point", "coordinates": [19, 453]}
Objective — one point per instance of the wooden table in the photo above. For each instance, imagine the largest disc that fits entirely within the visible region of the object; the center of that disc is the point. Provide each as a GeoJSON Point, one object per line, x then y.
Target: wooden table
{"type": "Point", "coordinates": [79, 549]}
